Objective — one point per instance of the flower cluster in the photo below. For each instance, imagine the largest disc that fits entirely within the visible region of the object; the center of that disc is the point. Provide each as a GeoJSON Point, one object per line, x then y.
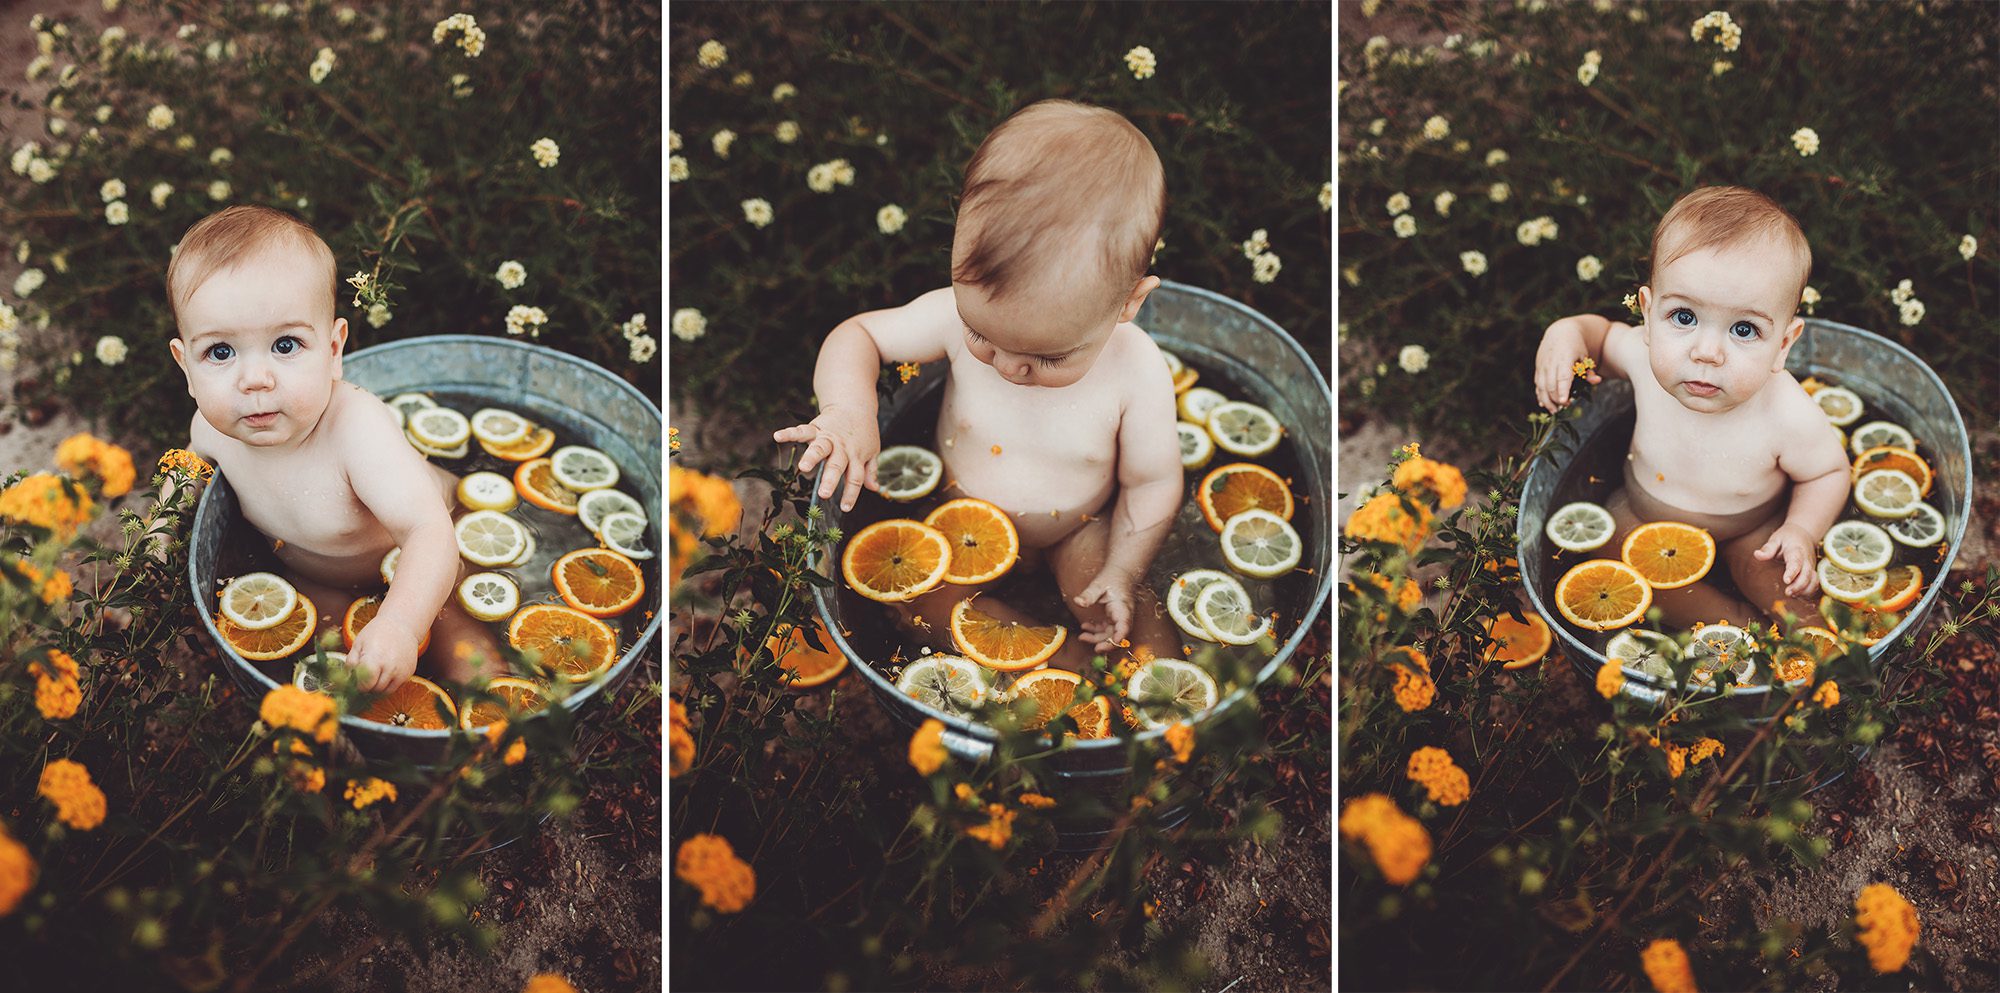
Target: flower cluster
{"type": "Point", "coordinates": [1437, 128]}
{"type": "Point", "coordinates": [1583, 367]}
{"type": "Point", "coordinates": [182, 462]}
{"type": "Point", "coordinates": [1404, 226]}
{"type": "Point", "coordinates": [495, 733]}
{"type": "Point", "coordinates": [758, 212]}
{"type": "Point", "coordinates": [1443, 201]}
{"type": "Point", "coordinates": [1611, 679]}
{"type": "Point", "coordinates": [1806, 140]}
{"type": "Point", "coordinates": [677, 169]}
{"type": "Point", "coordinates": [1889, 926]}
{"type": "Point", "coordinates": [57, 693]}
{"type": "Point", "coordinates": [17, 872]}
{"type": "Point", "coordinates": [1141, 62]}
{"type": "Point", "coordinates": [110, 349]}
{"type": "Point", "coordinates": [1968, 246]}
{"type": "Point", "coordinates": [79, 803]}
{"type": "Point", "coordinates": [644, 346]}
{"type": "Point", "coordinates": [1037, 801]}
{"type": "Point", "coordinates": [927, 752]}
{"type": "Point", "coordinates": [688, 324]}
{"type": "Point", "coordinates": [1474, 263]}
{"type": "Point", "coordinates": [706, 861]}
{"type": "Point", "coordinates": [1727, 33]}
{"type": "Point", "coordinates": [1436, 483]}
{"type": "Point", "coordinates": [322, 66]}
{"type": "Point", "coordinates": [822, 177]}
{"type": "Point", "coordinates": [1414, 689]}
{"type": "Point", "coordinates": [1536, 230]}
{"type": "Point", "coordinates": [526, 320]}
{"type": "Point", "coordinates": [1587, 72]}
{"type": "Point", "coordinates": [890, 219]}
{"type": "Point", "coordinates": [1180, 738]}
{"type": "Point", "coordinates": [46, 500]}
{"type": "Point", "coordinates": [1413, 358]}
{"type": "Point", "coordinates": [546, 152]}
{"type": "Point", "coordinates": [511, 274]}
{"type": "Point", "coordinates": [1911, 309]}
{"type": "Point", "coordinates": [80, 454]}
{"type": "Point", "coordinates": [471, 38]}
{"type": "Point", "coordinates": [1667, 966]}
{"type": "Point", "coordinates": [680, 740]}
{"type": "Point", "coordinates": [711, 55]}
{"type": "Point", "coordinates": [999, 826]}
{"type": "Point", "coordinates": [52, 586]}
{"type": "Point", "coordinates": [1589, 268]}
{"type": "Point", "coordinates": [1384, 518]}
{"type": "Point", "coordinates": [363, 792]}
{"type": "Point", "coordinates": [1397, 841]}
{"type": "Point", "coordinates": [1433, 769]}
{"type": "Point", "coordinates": [1828, 694]}
{"type": "Point", "coordinates": [314, 715]}
{"type": "Point", "coordinates": [1406, 597]}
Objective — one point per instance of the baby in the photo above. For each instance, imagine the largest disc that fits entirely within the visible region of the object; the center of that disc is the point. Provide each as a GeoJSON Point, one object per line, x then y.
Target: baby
{"type": "Point", "coordinates": [1723, 430]}
{"type": "Point", "coordinates": [317, 464]}
{"type": "Point", "coordinates": [1056, 402]}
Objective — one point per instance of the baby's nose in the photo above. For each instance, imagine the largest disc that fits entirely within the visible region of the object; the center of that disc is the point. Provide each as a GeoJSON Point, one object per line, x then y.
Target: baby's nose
{"type": "Point", "coordinates": [256, 376]}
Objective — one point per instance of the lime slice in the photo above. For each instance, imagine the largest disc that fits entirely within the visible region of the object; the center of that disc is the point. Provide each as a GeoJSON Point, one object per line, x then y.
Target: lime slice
{"type": "Point", "coordinates": [1890, 493]}
{"type": "Point", "coordinates": [1717, 647]}
{"type": "Point", "coordinates": [487, 491]}
{"type": "Point", "coordinates": [302, 674]}
{"type": "Point", "coordinates": [1243, 428]}
{"type": "Point", "coordinates": [1580, 527]}
{"type": "Point", "coordinates": [489, 596]}
{"type": "Point", "coordinates": [625, 533]}
{"type": "Point", "coordinates": [1922, 529]}
{"type": "Point", "coordinates": [1649, 652]}
{"type": "Point", "coordinates": [494, 426]}
{"type": "Point", "coordinates": [1185, 590]}
{"type": "Point", "coordinates": [1225, 612]}
{"type": "Point", "coordinates": [490, 538]}
{"type": "Point", "coordinates": [593, 507]}
{"type": "Point", "coordinates": [1850, 587]}
{"type": "Point", "coordinates": [1195, 404]}
{"type": "Point", "coordinates": [258, 600]}
{"type": "Point", "coordinates": [1858, 546]}
{"type": "Point", "coordinates": [1169, 691]}
{"type": "Point", "coordinates": [439, 427]}
{"type": "Point", "coordinates": [907, 472]}
{"type": "Point", "coordinates": [1197, 447]}
{"type": "Point", "coordinates": [389, 564]}
{"type": "Point", "coordinates": [583, 469]}
{"type": "Point", "coordinates": [409, 403]}
{"type": "Point", "coordinates": [943, 682]}
{"type": "Point", "coordinates": [1875, 434]}
{"type": "Point", "coordinates": [1840, 405]}
{"type": "Point", "coordinates": [1260, 544]}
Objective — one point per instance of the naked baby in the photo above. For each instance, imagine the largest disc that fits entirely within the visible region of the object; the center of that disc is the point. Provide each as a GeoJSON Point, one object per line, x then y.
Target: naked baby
{"type": "Point", "coordinates": [1725, 438]}
{"type": "Point", "coordinates": [1056, 406]}
{"type": "Point", "coordinates": [318, 465]}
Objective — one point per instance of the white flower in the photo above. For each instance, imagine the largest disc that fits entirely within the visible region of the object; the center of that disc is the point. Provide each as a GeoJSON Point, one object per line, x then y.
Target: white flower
{"type": "Point", "coordinates": [1352, 274]}
{"type": "Point", "coordinates": [1806, 140]}
{"type": "Point", "coordinates": [1912, 312]}
{"type": "Point", "coordinates": [644, 348]}
{"type": "Point", "coordinates": [1496, 157]}
{"type": "Point", "coordinates": [1968, 246]}
{"type": "Point", "coordinates": [344, 15]}
{"type": "Point", "coordinates": [221, 156]}
{"type": "Point", "coordinates": [1592, 57]}
{"type": "Point", "coordinates": [41, 170]}
{"type": "Point", "coordinates": [9, 321]}
{"type": "Point", "coordinates": [1399, 203]}
{"type": "Point", "coordinates": [28, 282]}
{"type": "Point", "coordinates": [1588, 268]}
{"type": "Point", "coordinates": [742, 79]}
{"type": "Point", "coordinates": [1528, 232]}
{"type": "Point", "coordinates": [212, 51]}
{"type": "Point", "coordinates": [58, 127]}
{"type": "Point", "coordinates": [822, 177]}
{"type": "Point", "coordinates": [758, 211]}
{"type": "Point", "coordinates": [1141, 61]}
{"type": "Point", "coordinates": [783, 92]}
{"type": "Point", "coordinates": [890, 219]}
{"type": "Point", "coordinates": [1264, 268]}
{"type": "Point", "coordinates": [633, 327]}
{"type": "Point", "coordinates": [116, 213]}
{"type": "Point", "coordinates": [1727, 33]}
{"type": "Point", "coordinates": [511, 274]}
{"type": "Point", "coordinates": [522, 319]}
{"type": "Point", "coordinates": [113, 189]}
{"type": "Point", "coordinates": [1498, 192]}
{"type": "Point", "coordinates": [722, 140]}
{"type": "Point", "coordinates": [160, 117]}
{"type": "Point", "coordinates": [1437, 128]}
{"type": "Point", "coordinates": [21, 252]}
{"type": "Point", "coordinates": [842, 172]}
{"type": "Point", "coordinates": [1474, 262]}
{"type": "Point", "coordinates": [160, 193]}
{"type": "Point", "coordinates": [1810, 298]}
{"type": "Point", "coordinates": [378, 315]}
{"type": "Point", "coordinates": [688, 324]}
{"type": "Point", "coordinates": [102, 114]}
{"type": "Point", "coordinates": [787, 132]}
{"type": "Point", "coordinates": [1586, 73]}
{"type": "Point", "coordinates": [1405, 226]}
{"type": "Point", "coordinates": [471, 39]}
{"type": "Point", "coordinates": [1720, 66]}
{"type": "Point", "coordinates": [184, 142]}
{"type": "Point", "coordinates": [59, 262]}
{"type": "Point", "coordinates": [1377, 126]}
{"type": "Point", "coordinates": [219, 190]}
{"type": "Point", "coordinates": [712, 54]}
{"type": "Point", "coordinates": [1443, 201]}
{"type": "Point", "coordinates": [673, 140]}
{"type": "Point", "coordinates": [1325, 197]}
{"type": "Point", "coordinates": [23, 155]}
{"type": "Point", "coordinates": [546, 152]}
{"type": "Point", "coordinates": [38, 65]}
{"type": "Point", "coordinates": [1374, 49]}
{"type": "Point", "coordinates": [1257, 244]}
{"type": "Point", "coordinates": [111, 349]}
{"type": "Point", "coordinates": [322, 64]}
{"type": "Point", "coordinates": [1414, 359]}
{"type": "Point", "coordinates": [1904, 291]}
{"type": "Point", "coordinates": [677, 169]}
{"type": "Point", "coordinates": [460, 85]}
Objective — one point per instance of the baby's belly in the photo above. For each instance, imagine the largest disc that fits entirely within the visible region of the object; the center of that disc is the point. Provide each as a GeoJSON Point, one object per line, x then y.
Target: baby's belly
{"type": "Point", "coordinates": [340, 545]}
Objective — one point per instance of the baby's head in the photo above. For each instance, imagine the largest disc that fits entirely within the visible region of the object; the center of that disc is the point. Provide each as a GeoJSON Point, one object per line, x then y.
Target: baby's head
{"type": "Point", "coordinates": [1056, 225]}
{"type": "Point", "coordinates": [252, 293]}
{"type": "Point", "coordinates": [1721, 306]}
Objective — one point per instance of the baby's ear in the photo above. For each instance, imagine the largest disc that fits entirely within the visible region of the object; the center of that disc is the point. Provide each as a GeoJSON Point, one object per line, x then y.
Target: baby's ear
{"type": "Point", "coordinates": [1137, 299]}
{"type": "Point", "coordinates": [1785, 344]}
{"type": "Point", "coordinates": [339, 343]}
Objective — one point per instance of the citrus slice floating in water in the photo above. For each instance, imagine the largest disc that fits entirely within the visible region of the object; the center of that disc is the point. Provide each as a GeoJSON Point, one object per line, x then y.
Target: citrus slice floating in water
{"type": "Point", "coordinates": [1197, 447]}
{"type": "Point", "coordinates": [1649, 652]}
{"type": "Point", "coordinates": [1888, 493]}
{"type": "Point", "coordinates": [895, 560]}
{"type": "Point", "coordinates": [537, 483]}
{"type": "Point", "coordinates": [1858, 546]}
{"type": "Point", "coordinates": [1169, 691]}
{"type": "Point", "coordinates": [409, 403]}
{"type": "Point", "coordinates": [1186, 588]}
{"type": "Point", "coordinates": [1841, 405]}
{"type": "Point", "coordinates": [1721, 648]}
{"type": "Point", "coordinates": [583, 469]}
{"type": "Point", "coordinates": [1003, 645]}
{"type": "Point", "coordinates": [907, 472]}
{"type": "Point", "coordinates": [489, 596]}
{"type": "Point", "coordinates": [1892, 457]}
{"type": "Point", "coordinates": [1239, 486]}
{"type": "Point", "coordinates": [598, 581]}
{"type": "Point", "coordinates": [457, 451]}
{"type": "Point", "coordinates": [1580, 527]}
{"type": "Point", "coordinates": [1849, 587]}
{"type": "Point", "coordinates": [593, 507]}
{"type": "Point", "coordinates": [1875, 624]}
{"type": "Point", "coordinates": [1174, 364]}
{"type": "Point", "coordinates": [984, 543]}
{"type": "Point", "coordinates": [1603, 595]}
{"type": "Point", "coordinates": [535, 445]}
{"type": "Point", "coordinates": [1881, 434]}
{"type": "Point", "coordinates": [1225, 612]}
{"type": "Point", "coordinates": [808, 666]}
{"type": "Point", "coordinates": [302, 674]}
{"type": "Point", "coordinates": [1093, 719]}
{"type": "Point", "coordinates": [1195, 404]}
{"type": "Point", "coordinates": [388, 567]}
{"type": "Point", "coordinates": [487, 491]}
{"type": "Point", "coordinates": [944, 683]}
{"type": "Point", "coordinates": [258, 600]}
{"type": "Point", "coordinates": [277, 641]}
{"type": "Point", "coordinates": [438, 427]}
{"type": "Point", "coordinates": [570, 642]}
{"type": "Point", "coordinates": [527, 552]}
{"type": "Point", "coordinates": [493, 426]}
{"type": "Point", "coordinates": [1669, 554]}
{"type": "Point", "coordinates": [1260, 544]}
{"type": "Point", "coordinates": [359, 613]}
{"type": "Point", "coordinates": [517, 696]}
{"type": "Point", "coordinates": [625, 533]}
{"type": "Point", "coordinates": [1185, 380]}
{"type": "Point", "coordinates": [1518, 644]}
{"type": "Point", "coordinates": [1051, 690]}
{"type": "Point", "coordinates": [418, 703]}
{"type": "Point", "coordinates": [1242, 428]}
{"type": "Point", "coordinates": [1922, 529]}
{"type": "Point", "coordinates": [489, 538]}
{"type": "Point", "coordinates": [1900, 587]}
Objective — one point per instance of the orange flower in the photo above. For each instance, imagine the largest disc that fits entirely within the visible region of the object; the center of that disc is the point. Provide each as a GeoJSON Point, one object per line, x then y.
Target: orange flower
{"type": "Point", "coordinates": [1703, 749]}
{"type": "Point", "coordinates": [1037, 801]}
{"type": "Point", "coordinates": [706, 861]}
{"type": "Point", "coordinates": [363, 792]}
{"type": "Point", "coordinates": [17, 871]}
{"type": "Point", "coordinates": [1383, 519]}
{"type": "Point", "coordinates": [1889, 926]}
{"type": "Point", "coordinates": [927, 752]}
{"type": "Point", "coordinates": [81, 453]}
{"type": "Point", "coordinates": [1398, 843]}
{"type": "Point", "coordinates": [57, 694]}
{"type": "Point", "coordinates": [1582, 367]}
{"type": "Point", "coordinates": [1407, 596]}
{"type": "Point", "coordinates": [680, 741]}
{"type": "Point", "coordinates": [1436, 772]}
{"type": "Point", "coordinates": [548, 982]}
{"type": "Point", "coordinates": [54, 588]}
{"type": "Point", "coordinates": [1610, 679]}
{"type": "Point", "coordinates": [709, 501]}
{"type": "Point", "coordinates": [1180, 738]}
{"type": "Point", "coordinates": [186, 463]}
{"type": "Point", "coordinates": [1828, 694]}
{"type": "Point", "coordinates": [45, 500]}
{"type": "Point", "coordinates": [1414, 690]}
{"type": "Point", "coordinates": [312, 714]}
{"type": "Point", "coordinates": [1667, 965]}
{"type": "Point", "coordinates": [1440, 484]}
{"type": "Point", "coordinates": [79, 803]}
{"type": "Point", "coordinates": [999, 826]}
{"type": "Point", "coordinates": [907, 371]}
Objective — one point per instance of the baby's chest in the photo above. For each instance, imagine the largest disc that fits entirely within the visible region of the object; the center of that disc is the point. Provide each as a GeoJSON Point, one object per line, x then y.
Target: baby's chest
{"type": "Point", "coordinates": [1071, 429]}
{"type": "Point", "coordinates": [314, 512]}
{"type": "Point", "coordinates": [1716, 458]}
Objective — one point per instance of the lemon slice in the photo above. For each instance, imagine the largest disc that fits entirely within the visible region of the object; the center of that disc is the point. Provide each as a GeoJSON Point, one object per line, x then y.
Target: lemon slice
{"type": "Point", "coordinates": [409, 403]}
{"type": "Point", "coordinates": [1875, 434]}
{"type": "Point", "coordinates": [1840, 405]}
{"type": "Point", "coordinates": [907, 472]}
{"type": "Point", "coordinates": [1260, 544]}
{"type": "Point", "coordinates": [489, 596]}
{"type": "Point", "coordinates": [1649, 652]}
{"type": "Point", "coordinates": [1196, 445]}
{"type": "Point", "coordinates": [625, 533]}
{"type": "Point", "coordinates": [1922, 529]}
{"type": "Point", "coordinates": [1580, 527]}
{"type": "Point", "coordinates": [1185, 590]}
{"type": "Point", "coordinates": [1169, 691]}
{"type": "Point", "coordinates": [1858, 546]}
{"type": "Point", "coordinates": [494, 426]}
{"type": "Point", "coordinates": [1888, 493]}
{"type": "Point", "coordinates": [389, 564]}
{"type": "Point", "coordinates": [527, 553]}
{"type": "Point", "coordinates": [1224, 611]}
{"type": "Point", "coordinates": [455, 452]}
{"type": "Point", "coordinates": [943, 682]}
{"type": "Point", "coordinates": [1195, 404]}
{"type": "Point", "coordinates": [439, 427]}
{"type": "Point", "coordinates": [1719, 647]}
{"type": "Point", "coordinates": [593, 507]}
{"type": "Point", "coordinates": [487, 491]}
{"type": "Point", "coordinates": [258, 600]}
{"type": "Point", "coordinates": [490, 538]}
{"type": "Point", "coordinates": [1174, 364]}
{"type": "Point", "coordinates": [583, 469]}
{"type": "Point", "coordinates": [302, 674]}
{"type": "Point", "coordinates": [1850, 587]}
{"type": "Point", "coordinates": [1242, 428]}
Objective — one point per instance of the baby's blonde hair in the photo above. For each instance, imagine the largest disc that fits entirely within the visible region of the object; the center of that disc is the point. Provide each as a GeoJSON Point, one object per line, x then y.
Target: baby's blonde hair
{"type": "Point", "coordinates": [229, 236]}
{"type": "Point", "coordinates": [1054, 176]}
{"type": "Point", "coordinates": [1728, 215]}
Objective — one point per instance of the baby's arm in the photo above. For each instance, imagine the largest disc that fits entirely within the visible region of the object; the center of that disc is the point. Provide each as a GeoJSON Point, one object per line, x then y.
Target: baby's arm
{"type": "Point", "coordinates": [1149, 495]}
{"type": "Point", "coordinates": [1568, 341]}
{"type": "Point", "coordinates": [396, 485]}
{"type": "Point", "coordinates": [1819, 473]}
{"type": "Point", "coordinates": [844, 435]}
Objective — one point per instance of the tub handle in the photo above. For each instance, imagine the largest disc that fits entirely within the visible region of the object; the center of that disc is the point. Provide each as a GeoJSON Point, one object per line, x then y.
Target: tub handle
{"type": "Point", "coordinates": [966, 746]}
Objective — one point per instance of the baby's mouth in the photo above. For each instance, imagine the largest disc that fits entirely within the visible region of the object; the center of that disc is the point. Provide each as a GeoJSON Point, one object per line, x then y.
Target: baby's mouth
{"type": "Point", "coordinates": [1701, 389]}
{"type": "Point", "coordinates": [261, 420]}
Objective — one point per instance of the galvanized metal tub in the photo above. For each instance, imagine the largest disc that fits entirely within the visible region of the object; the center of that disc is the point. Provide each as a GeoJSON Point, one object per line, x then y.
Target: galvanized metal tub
{"type": "Point", "coordinates": [578, 398]}
{"type": "Point", "coordinates": [1899, 387]}
{"type": "Point", "coordinates": [1264, 365]}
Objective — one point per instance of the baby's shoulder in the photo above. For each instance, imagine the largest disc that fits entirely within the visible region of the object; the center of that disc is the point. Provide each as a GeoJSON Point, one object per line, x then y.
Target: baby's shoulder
{"type": "Point", "coordinates": [356, 418]}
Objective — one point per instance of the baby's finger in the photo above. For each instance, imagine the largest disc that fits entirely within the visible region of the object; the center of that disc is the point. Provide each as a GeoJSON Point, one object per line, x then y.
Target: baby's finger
{"type": "Point", "coordinates": [814, 452]}
{"type": "Point", "coordinates": [829, 474]}
{"type": "Point", "coordinates": [868, 477]}
{"type": "Point", "coordinates": [797, 432]}
{"type": "Point", "coordinates": [855, 479]}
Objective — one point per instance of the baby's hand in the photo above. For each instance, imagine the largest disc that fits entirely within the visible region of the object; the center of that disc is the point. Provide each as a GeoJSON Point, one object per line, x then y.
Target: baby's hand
{"type": "Point", "coordinates": [844, 439]}
{"type": "Point", "coordinates": [1791, 541]}
{"type": "Point", "coordinates": [1555, 366]}
{"type": "Point", "coordinates": [1113, 589]}
{"type": "Point", "coordinates": [386, 655]}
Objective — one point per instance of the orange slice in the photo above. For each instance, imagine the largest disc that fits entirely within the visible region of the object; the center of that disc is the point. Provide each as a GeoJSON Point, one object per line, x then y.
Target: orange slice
{"type": "Point", "coordinates": [1876, 624]}
{"type": "Point", "coordinates": [536, 481]}
{"type": "Point", "coordinates": [984, 544]}
{"type": "Point", "coordinates": [413, 705]}
{"type": "Point", "coordinates": [1240, 486]}
{"type": "Point", "coordinates": [1901, 588]}
{"type": "Point", "coordinates": [520, 696]}
{"type": "Point", "coordinates": [359, 613]}
{"type": "Point", "coordinates": [1008, 646]}
{"type": "Point", "coordinates": [1184, 379]}
{"type": "Point", "coordinates": [1669, 554]}
{"type": "Point", "coordinates": [571, 642]}
{"type": "Point", "coordinates": [536, 444]}
{"type": "Point", "coordinates": [1517, 645]}
{"type": "Point", "coordinates": [895, 560]}
{"type": "Point", "coordinates": [1603, 594]}
{"type": "Point", "coordinates": [275, 642]}
{"type": "Point", "coordinates": [1093, 719]}
{"type": "Point", "coordinates": [809, 666]}
{"type": "Point", "coordinates": [1052, 690]}
{"type": "Point", "coordinates": [1892, 457]}
{"type": "Point", "coordinates": [599, 581]}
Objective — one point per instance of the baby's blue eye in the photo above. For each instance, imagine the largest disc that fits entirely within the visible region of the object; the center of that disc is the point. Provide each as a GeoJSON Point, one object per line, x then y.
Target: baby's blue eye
{"type": "Point", "coordinates": [1678, 313]}
{"type": "Point", "coordinates": [1745, 331]}
{"type": "Point", "coordinates": [220, 353]}
{"type": "Point", "coordinates": [287, 345]}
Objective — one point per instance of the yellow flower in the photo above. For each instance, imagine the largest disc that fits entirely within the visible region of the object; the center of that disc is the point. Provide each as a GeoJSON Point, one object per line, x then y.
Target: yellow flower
{"type": "Point", "coordinates": [548, 982]}
{"type": "Point", "coordinates": [709, 501]}
{"type": "Point", "coordinates": [304, 776]}
{"type": "Point", "coordinates": [1828, 694]}
{"type": "Point", "coordinates": [706, 861]}
{"type": "Point", "coordinates": [680, 740]}
{"type": "Point", "coordinates": [1407, 596]}
{"type": "Point", "coordinates": [1705, 748]}
{"type": "Point", "coordinates": [57, 694]}
{"type": "Point", "coordinates": [1582, 367]}
{"type": "Point", "coordinates": [927, 752]}
{"type": "Point", "coordinates": [79, 803]}
{"type": "Point", "coordinates": [1667, 966]}
{"type": "Point", "coordinates": [1411, 450]}
{"type": "Point", "coordinates": [1436, 772]}
{"type": "Point", "coordinates": [1610, 679]}
{"type": "Point", "coordinates": [81, 453]}
{"type": "Point", "coordinates": [1398, 843]}
{"type": "Point", "coordinates": [186, 463]}
{"type": "Point", "coordinates": [999, 826]}
{"type": "Point", "coordinates": [907, 371]}
{"type": "Point", "coordinates": [17, 872]}
{"type": "Point", "coordinates": [363, 792]}
{"type": "Point", "coordinates": [46, 500]}
{"type": "Point", "coordinates": [1384, 519]}
{"type": "Point", "coordinates": [312, 714]}
{"type": "Point", "coordinates": [1180, 737]}
{"type": "Point", "coordinates": [1889, 926]}
{"type": "Point", "coordinates": [1676, 760]}
{"type": "Point", "coordinates": [54, 587]}
{"type": "Point", "coordinates": [1037, 801]}
{"type": "Point", "coordinates": [1414, 690]}
{"type": "Point", "coordinates": [964, 793]}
